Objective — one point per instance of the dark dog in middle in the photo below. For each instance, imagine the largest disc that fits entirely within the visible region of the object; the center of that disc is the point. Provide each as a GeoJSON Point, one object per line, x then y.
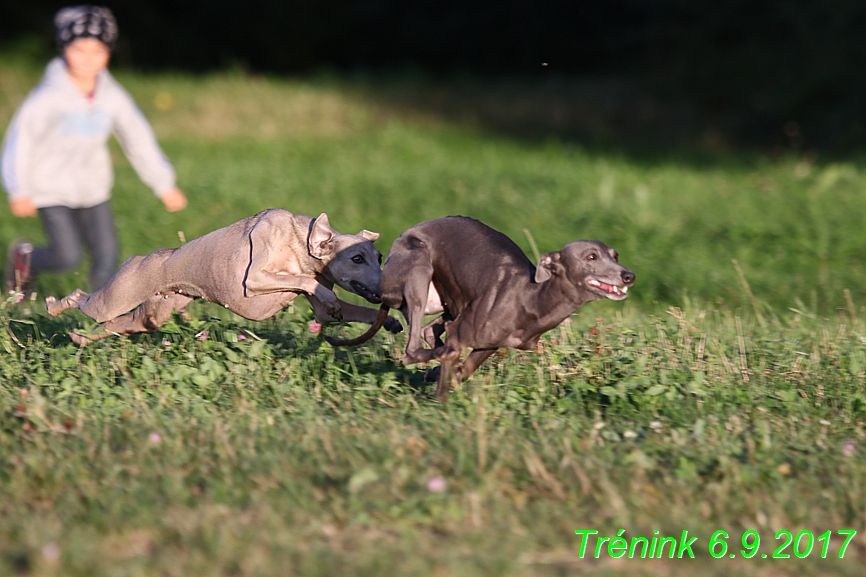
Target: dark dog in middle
{"type": "Point", "coordinates": [489, 293]}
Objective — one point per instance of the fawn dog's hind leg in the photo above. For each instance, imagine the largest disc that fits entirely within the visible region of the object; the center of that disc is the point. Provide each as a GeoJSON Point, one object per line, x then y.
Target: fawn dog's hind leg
{"type": "Point", "coordinates": [70, 301]}
{"type": "Point", "coordinates": [147, 318]}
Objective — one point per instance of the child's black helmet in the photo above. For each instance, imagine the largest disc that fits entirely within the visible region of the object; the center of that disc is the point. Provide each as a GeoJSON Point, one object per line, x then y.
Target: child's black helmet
{"type": "Point", "coordinates": [85, 21]}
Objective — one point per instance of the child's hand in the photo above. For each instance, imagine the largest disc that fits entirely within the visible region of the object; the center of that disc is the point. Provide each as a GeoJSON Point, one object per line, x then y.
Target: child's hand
{"type": "Point", "coordinates": [174, 200]}
{"type": "Point", "coordinates": [22, 207]}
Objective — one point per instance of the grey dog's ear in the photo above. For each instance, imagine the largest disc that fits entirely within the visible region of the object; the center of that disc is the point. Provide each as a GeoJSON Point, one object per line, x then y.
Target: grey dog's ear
{"type": "Point", "coordinates": [371, 236]}
{"type": "Point", "coordinates": [321, 235]}
{"type": "Point", "coordinates": [548, 266]}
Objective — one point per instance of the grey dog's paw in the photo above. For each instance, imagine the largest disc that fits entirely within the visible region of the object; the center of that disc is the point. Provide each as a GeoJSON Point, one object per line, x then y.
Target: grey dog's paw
{"type": "Point", "coordinates": [392, 325]}
{"type": "Point", "coordinates": [333, 309]}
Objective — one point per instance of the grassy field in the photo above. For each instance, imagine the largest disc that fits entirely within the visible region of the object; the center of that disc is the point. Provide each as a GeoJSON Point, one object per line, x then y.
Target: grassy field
{"type": "Point", "coordinates": [726, 393]}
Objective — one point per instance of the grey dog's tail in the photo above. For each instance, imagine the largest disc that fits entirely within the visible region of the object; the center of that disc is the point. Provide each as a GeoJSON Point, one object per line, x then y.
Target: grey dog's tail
{"type": "Point", "coordinates": [380, 320]}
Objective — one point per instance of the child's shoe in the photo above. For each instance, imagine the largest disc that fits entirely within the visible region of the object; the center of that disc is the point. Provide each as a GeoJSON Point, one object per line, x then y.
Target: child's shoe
{"type": "Point", "coordinates": [17, 275]}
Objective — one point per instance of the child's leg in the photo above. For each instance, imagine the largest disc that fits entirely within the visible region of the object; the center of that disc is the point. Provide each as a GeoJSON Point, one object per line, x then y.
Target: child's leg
{"type": "Point", "coordinates": [96, 225]}
{"type": "Point", "coordinates": [63, 252]}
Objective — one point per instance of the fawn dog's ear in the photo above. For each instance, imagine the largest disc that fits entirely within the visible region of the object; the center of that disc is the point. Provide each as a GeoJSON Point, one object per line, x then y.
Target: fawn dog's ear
{"type": "Point", "coordinates": [548, 265]}
{"type": "Point", "coordinates": [319, 244]}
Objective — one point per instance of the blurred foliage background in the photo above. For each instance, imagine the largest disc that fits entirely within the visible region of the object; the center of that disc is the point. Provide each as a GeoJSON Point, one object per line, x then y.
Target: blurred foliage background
{"type": "Point", "coordinates": [767, 73]}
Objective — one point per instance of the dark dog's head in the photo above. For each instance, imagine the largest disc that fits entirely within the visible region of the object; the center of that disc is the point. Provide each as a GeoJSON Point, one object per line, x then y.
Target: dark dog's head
{"type": "Point", "coordinates": [351, 260]}
{"type": "Point", "coordinates": [588, 264]}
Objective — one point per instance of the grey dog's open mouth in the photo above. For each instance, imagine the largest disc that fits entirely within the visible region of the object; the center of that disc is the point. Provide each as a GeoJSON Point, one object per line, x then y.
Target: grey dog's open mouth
{"type": "Point", "coordinates": [365, 292]}
{"type": "Point", "coordinates": [613, 292]}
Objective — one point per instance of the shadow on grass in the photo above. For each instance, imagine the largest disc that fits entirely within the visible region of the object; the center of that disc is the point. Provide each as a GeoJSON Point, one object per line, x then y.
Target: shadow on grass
{"type": "Point", "coordinates": [639, 118]}
{"type": "Point", "coordinates": [411, 378]}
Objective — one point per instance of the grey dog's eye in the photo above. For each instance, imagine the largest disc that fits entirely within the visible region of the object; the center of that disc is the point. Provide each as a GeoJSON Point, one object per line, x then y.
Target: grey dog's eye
{"type": "Point", "coordinates": [592, 256]}
{"type": "Point", "coordinates": [358, 259]}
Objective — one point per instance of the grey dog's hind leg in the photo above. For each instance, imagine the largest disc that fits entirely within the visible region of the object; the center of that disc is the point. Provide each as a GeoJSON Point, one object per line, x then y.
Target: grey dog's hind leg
{"type": "Point", "coordinates": [411, 292]}
{"type": "Point", "coordinates": [432, 332]}
{"type": "Point", "coordinates": [147, 318]}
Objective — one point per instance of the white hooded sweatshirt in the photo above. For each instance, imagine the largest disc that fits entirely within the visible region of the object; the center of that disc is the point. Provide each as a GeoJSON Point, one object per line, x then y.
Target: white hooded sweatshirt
{"type": "Point", "coordinates": [56, 148]}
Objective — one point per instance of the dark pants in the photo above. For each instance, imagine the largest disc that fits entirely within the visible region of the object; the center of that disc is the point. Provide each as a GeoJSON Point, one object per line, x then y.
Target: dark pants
{"type": "Point", "coordinates": [66, 229]}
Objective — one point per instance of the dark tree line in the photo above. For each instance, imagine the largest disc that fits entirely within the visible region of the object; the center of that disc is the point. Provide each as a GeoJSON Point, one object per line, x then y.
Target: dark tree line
{"type": "Point", "coordinates": [773, 60]}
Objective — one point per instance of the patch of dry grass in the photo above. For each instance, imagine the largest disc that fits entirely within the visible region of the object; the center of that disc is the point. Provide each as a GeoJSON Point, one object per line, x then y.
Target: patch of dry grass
{"type": "Point", "coordinates": [219, 107]}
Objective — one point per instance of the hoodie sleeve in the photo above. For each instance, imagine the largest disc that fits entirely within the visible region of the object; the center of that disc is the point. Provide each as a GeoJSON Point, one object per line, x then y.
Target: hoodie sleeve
{"type": "Point", "coordinates": [17, 152]}
{"type": "Point", "coordinates": [138, 141]}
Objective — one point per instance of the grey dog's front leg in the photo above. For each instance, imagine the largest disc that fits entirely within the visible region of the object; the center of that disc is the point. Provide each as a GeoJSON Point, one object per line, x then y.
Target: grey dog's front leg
{"type": "Point", "coordinates": [472, 362]}
{"type": "Point", "coordinates": [349, 312]}
{"type": "Point", "coordinates": [353, 313]}
{"type": "Point", "coordinates": [452, 369]}
{"type": "Point", "coordinates": [446, 375]}
{"type": "Point", "coordinates": [458, 372]}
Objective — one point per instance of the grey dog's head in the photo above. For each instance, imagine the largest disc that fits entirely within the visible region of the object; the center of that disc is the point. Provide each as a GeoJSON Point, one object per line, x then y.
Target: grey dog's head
{"type": "Point", "coordinates": [351, 261]}
{"type": "Point", "coordinates": [588, 264]}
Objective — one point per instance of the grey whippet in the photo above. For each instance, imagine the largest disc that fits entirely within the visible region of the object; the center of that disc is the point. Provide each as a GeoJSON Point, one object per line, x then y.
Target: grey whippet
{"type": "Point", "coordinates": [489, 292]}
{"type": "Point", "coordinates": [253, 267]}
